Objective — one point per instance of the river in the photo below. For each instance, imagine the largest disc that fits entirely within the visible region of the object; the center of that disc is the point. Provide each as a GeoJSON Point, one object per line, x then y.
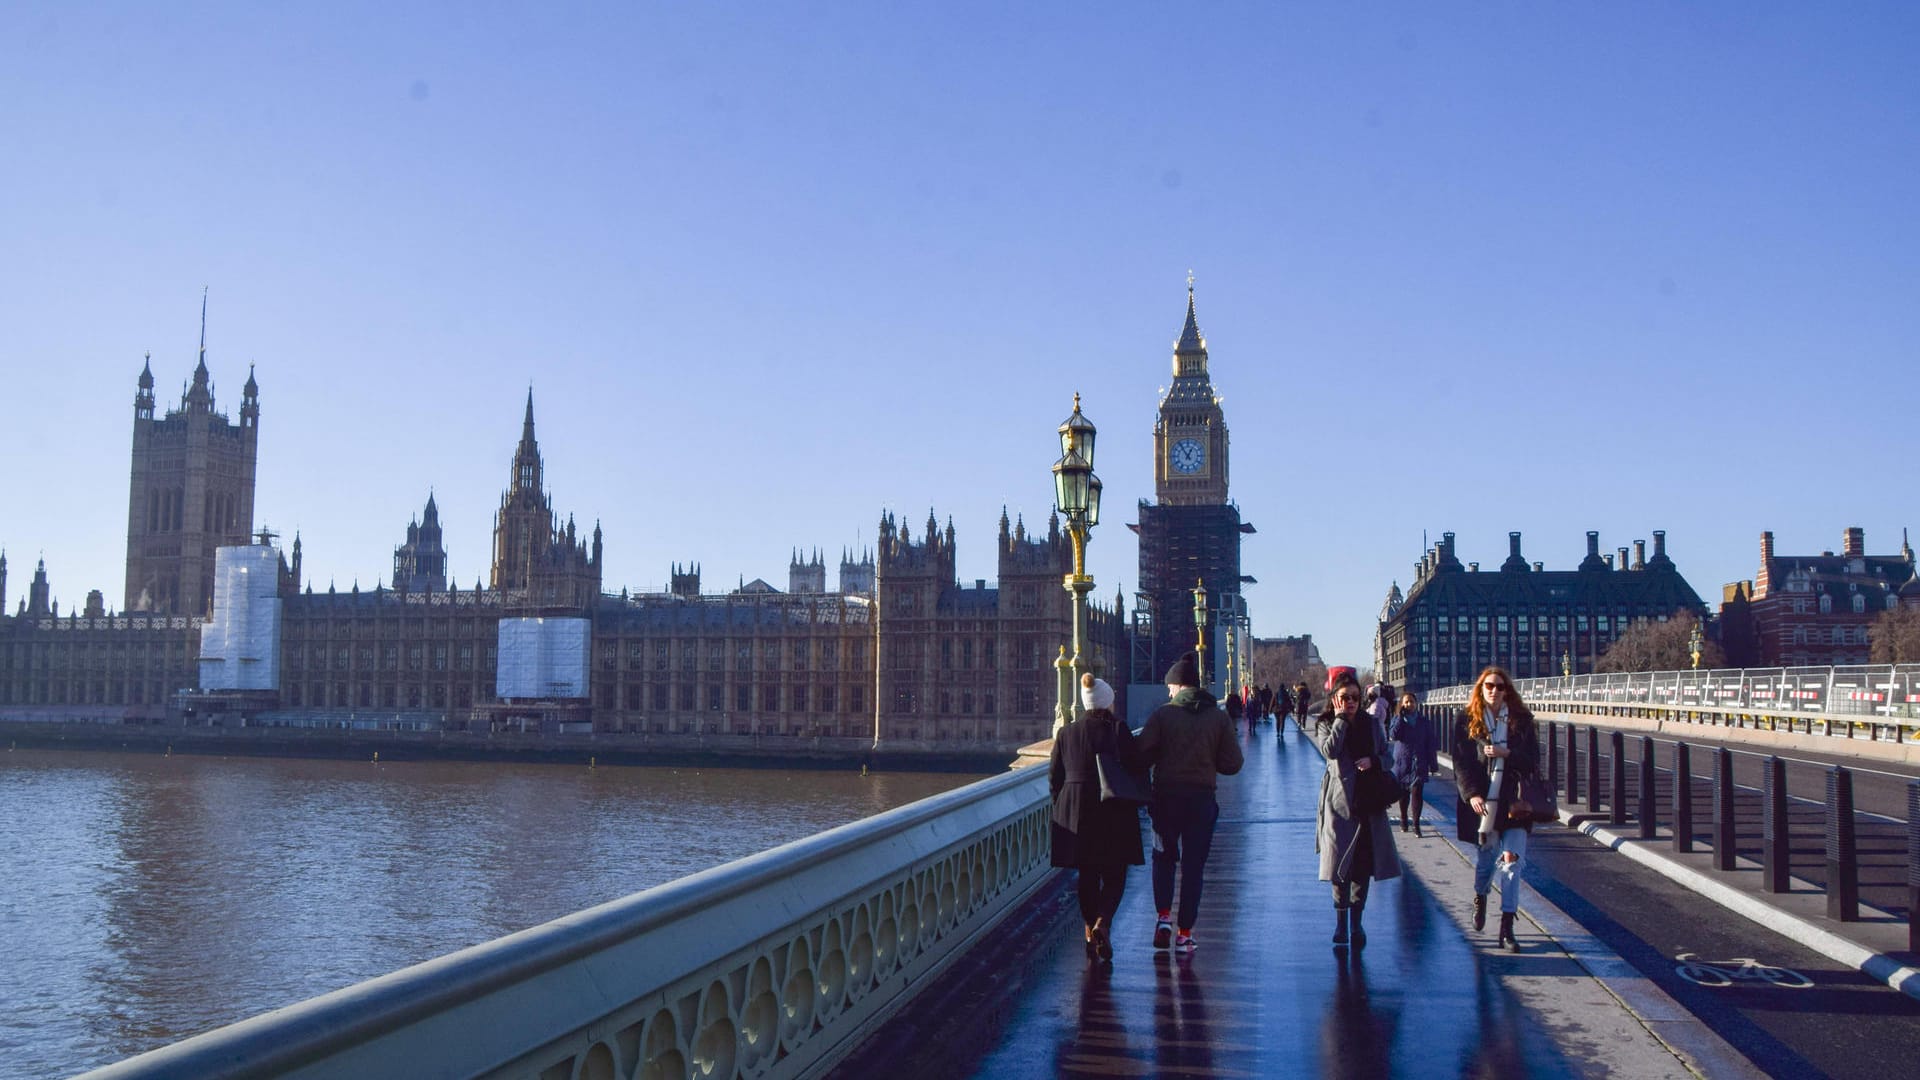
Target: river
{"type": "Point", "coordinates": [147, 898]}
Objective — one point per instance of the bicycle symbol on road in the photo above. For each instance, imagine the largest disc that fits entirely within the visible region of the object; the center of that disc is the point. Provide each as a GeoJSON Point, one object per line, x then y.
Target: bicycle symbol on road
{"type": "Point", "coordinates": [1740, 969]}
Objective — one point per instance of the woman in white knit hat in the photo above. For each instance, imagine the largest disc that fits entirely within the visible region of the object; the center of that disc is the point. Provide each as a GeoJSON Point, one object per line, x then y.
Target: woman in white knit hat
{"type": "Point", "coordinates": [1098, 838]}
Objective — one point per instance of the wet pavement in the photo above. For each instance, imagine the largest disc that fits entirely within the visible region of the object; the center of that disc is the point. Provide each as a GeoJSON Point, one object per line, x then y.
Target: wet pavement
{"type": "Point", "coordinates": [1267, 994]}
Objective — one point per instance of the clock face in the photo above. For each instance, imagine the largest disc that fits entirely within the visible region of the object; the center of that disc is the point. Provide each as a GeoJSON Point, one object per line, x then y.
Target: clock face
{"type": "Point", "coordinates": [1187, 456]}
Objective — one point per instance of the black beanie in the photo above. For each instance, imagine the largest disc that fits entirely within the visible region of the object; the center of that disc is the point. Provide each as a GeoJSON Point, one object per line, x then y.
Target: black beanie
{"type": "Point", "coordinates": [1185, 671]}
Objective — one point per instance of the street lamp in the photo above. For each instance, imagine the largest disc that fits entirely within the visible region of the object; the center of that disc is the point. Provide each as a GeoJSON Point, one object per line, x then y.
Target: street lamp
{"type": "Point", "coordinates": [1200, 626]}
{"type": "Point", "coordinates": [1076, 493]}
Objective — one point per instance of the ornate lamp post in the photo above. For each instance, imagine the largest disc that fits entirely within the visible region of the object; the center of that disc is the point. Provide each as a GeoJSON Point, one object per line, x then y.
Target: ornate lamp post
{"type": "Point", "coordinates": [1076, 492]}
{"type": "Point", "coordinates": [1200, 626]}
{"type": "Point", "coordinates": [1694, 642]}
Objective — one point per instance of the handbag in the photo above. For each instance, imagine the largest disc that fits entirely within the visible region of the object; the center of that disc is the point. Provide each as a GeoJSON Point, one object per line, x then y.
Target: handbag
{"type": "Point", "coordinates": [1116, 783]}
{"type": "Point", "coordinates": [1532, 801]}
{"type": "Point", "coordinates": [1376, 789]}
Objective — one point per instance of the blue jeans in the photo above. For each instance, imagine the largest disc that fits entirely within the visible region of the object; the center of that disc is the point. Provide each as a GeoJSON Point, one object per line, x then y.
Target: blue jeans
{"type": "Point", "coordinates": [1183, 821]}
{"type": "Point", "coordinates": [1490, 867]}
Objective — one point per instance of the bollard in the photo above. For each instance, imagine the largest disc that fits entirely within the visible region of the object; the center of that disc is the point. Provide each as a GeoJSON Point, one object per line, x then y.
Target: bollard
{"type": "Point", "coordinates": [1682, 797]}
{"type": "Point", "coordinates": [1553, 756]}
{"type": "Point", "coordinates": [1617, 777]}
{"type": "Point", "coordinates": [1723, 836]}
{"type": "Point", "coordinates": [1649, 813]}
{"type": "Point", "coordinates": [1913, 864]}
{"type": "Point", "coordinates": [1573, 767]}
{"type": "Point", "coordinates": [1593, 768]}
{"type": "Point", "coordinates": [1773, 826]}
{"type": "Point", "coordinates": [1843, 855]}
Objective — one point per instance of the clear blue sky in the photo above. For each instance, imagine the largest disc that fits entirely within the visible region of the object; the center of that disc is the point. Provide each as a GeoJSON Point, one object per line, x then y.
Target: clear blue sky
{"type": "Point", "coordinates": [772, 269]}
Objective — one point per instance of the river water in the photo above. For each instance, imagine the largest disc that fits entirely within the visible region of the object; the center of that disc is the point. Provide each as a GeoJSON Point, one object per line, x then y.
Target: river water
{"type": "Point", "coordinates": [144, 898]}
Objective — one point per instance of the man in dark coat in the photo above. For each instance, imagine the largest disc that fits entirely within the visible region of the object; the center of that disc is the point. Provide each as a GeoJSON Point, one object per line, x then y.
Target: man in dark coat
{"type": "Point", "coordinates": [1188, 741]}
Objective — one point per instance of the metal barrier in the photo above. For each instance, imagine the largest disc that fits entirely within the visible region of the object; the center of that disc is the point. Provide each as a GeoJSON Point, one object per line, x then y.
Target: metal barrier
{"type": "Point", "coordinates": [772, 966]}
{"type": "Point", "coordinates": [1880, 701]}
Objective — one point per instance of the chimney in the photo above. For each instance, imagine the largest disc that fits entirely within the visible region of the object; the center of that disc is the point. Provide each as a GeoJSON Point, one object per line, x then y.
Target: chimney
{"type": "Point", "coordinates": [1855, 544]}
{"type": "Point", "coordinates": [1513, 544]}
{"type": "Point", "coordinates": [1659, 545]}
{"type": "Point", "coordinates": [1593, 544]}
{"type": "Point", "coordinates": [1473, 567]}
{"type": "Point", "coordinates": [1766, 547]}
{"type": "Point", "coordinates": [1609, 559]}
{"type": "Point", "coordinates": [1539, 566]}
{"type": "Point", "coordinates": [1622, 564]}
{"type": "Point", "coordinates": [1639, 554]}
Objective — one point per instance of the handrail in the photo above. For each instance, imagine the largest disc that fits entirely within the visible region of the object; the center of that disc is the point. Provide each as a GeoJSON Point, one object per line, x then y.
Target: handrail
{"type": "Point", "coordinates": [769, 966]}
{"type": "Point", "coordinates": [1884, 698]}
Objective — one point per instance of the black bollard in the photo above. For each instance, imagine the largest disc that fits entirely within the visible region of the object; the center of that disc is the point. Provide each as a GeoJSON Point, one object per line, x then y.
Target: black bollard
{"type": "Point", "coordinates": [1913, 865]}
{"type": "Point", "coordinates": [1723, 836]}
{"type": "Point", "coordinates": [1649, 813]}
{"type": "Point", "coordinates": [1553, 756]}
{"type": "Point", "coordinates": [1682, 797]}
{"type": "Point", "coordinates": [1773, 826]}
{"type": "Point", "coordinates": [1573, 766]}
{"type": "Point", "coordinates": [1617, 776]}
{"type": "Point", "coordinates": [1843, 854]}
{"type": "Point", "coordinates": [1593, 768]}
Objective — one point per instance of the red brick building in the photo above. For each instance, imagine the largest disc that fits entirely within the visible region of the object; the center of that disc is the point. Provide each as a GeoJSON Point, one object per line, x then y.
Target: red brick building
{"type": "Point", "coordinates": [1813, 610]}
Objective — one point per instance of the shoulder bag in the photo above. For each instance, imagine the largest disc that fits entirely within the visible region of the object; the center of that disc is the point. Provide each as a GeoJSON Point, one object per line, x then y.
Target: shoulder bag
{"type": "Point", "coordinates": [1532, 801]}
{"type": "Point", "coordinates": [1116, 783]}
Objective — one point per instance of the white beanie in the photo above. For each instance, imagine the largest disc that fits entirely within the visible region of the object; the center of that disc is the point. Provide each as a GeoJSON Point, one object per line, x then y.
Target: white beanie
{"type": "Point", "coordinates": [1097, 695]}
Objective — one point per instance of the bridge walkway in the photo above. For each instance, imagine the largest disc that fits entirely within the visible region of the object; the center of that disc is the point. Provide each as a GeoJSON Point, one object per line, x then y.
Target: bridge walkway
{"type": "Point", "coordinates": [1267, 994]}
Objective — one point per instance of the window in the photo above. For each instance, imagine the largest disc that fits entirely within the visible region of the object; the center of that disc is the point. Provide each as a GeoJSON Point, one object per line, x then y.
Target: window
{"type": "Point", "coordinates": [904, 699]}
{"type": "Point", "coordinates": [829, 699]}
{"type": "Point", "coordinates": [856, 699]}
{"type": "Point", "coordinates": [966, 655]}
{"type": "Point", "coordinates": [660, 697]}
{"type": "Point", "coordinates": [743, 697]}
{"type": "Point", "coordinates": [1826, 604]}
{"type": "Point", "coordinates": [1028, 701]}
{"type": "Point", "coordinates": [946, 654]}
{"type": "Point", "coordinates": [986, 654]}
{"type": "Point", "coordinates": [716, 697]}
{"type": "Point", "coordinates": [799, 695]}
{"type": "Point", "coordinates": [802, 654]}
{"type": "Point", "coordinates": [1859, 603]}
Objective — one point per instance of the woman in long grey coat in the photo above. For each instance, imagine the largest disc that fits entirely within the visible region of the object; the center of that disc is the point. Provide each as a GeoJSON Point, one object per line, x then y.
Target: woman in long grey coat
{"type": "Point", "coordinates": [1355, 850]}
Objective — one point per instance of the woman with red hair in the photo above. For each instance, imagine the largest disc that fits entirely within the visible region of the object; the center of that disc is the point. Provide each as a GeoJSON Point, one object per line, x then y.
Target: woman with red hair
{"type": "Point", "coordinates": [1495, 743]}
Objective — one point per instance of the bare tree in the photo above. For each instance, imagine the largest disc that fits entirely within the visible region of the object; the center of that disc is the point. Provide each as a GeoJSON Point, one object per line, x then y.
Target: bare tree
{"type": "Point", "coordinates": [1648, 645]}
{"type": "Point", "coordinates": [1896, 636]}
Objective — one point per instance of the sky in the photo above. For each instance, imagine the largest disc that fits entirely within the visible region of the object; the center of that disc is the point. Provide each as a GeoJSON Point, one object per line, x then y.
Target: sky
{"type": "Point", "coordinates": [773, 269]}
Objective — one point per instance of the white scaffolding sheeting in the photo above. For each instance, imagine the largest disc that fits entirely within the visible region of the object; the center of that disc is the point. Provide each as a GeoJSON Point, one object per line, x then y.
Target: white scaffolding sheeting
{"type": "Point", "coordinates": [542, 658]}
{"type": "Point", "coordinates": [240, 645]}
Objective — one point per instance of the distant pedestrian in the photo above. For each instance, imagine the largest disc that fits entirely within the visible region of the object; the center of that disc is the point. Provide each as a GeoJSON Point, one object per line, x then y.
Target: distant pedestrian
{"type": "Point", "coordinates": [1414, 757]}
{"type": "Point", "coordinates": [1235, 707]}
{"type": "Point", "coordinates": [1495, 743]}
{"type": "Point", "coordinates": [1355, 847]}
{"type": "Point", "coordinates": [1188, 741]}
{"type": "Point", "coordinates": [1302, 702]}
{"type": "Point", "coordinates": [1098, 838]}
{"type": "Point", "coordinates": [1282, 708]}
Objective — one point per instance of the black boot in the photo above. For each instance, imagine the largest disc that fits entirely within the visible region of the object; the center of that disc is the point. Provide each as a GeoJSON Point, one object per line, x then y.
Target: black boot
{"type": "Point", "coordinates": [1507, 939]}
{"type": "Point", "coordinates": [1340, 926]}
{"type": "Point", "coordinates": [1479, 912]}
{"type": "Point", "coordinates": [1358, 932]}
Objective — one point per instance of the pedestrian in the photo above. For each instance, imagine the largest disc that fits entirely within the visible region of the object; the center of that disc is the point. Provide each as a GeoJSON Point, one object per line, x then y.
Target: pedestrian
{"type": "Point", "coordinates": [1234, 706]}
{"type": "Point", "coordinates": [1302, 702]}
{"type": "Point", "coordinates": [1414, 757]}
{"type": "Point", "coordinates": [1282, 708]}
{"type": "Point", "coordinates": [1355, 847]}
{"type": "Point", "coordinates": [1495, 743]}
{"type": "Point", "coordinates": [1098, 838]}
{"type": "Point", "coordinates": [1188, 741]}
{"type": "Point", "coordinates": [1380, 702]}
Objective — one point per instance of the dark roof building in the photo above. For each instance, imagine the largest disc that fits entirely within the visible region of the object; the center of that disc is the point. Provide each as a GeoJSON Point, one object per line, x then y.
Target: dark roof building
{"type": "Point", "coordinates": [1457, 619]}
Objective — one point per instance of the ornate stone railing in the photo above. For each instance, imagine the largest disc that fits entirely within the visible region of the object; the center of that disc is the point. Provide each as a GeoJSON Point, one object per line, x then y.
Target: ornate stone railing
{"type": "Point", "coordinates": [773, 966]}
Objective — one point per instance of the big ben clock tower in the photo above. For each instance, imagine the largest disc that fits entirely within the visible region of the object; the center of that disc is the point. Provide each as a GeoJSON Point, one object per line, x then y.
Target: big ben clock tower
{"type": "Point", "coordinates": [1191, 533]}
{"type": "Point", "coordinates": [1190, 433]}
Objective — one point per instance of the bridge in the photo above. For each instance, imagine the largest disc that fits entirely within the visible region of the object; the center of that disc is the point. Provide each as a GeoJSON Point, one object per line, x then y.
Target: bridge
{"type": "Point", "coordinates": [1695, 918]}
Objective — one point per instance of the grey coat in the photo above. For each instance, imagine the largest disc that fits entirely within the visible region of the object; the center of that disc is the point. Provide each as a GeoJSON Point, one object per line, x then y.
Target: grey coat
{"type": "Point", "coordinates": [1336, 832]}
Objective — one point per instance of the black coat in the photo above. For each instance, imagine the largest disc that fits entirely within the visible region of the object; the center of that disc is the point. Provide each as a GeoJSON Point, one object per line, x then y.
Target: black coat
{"type": "Point", "coordinates": [1086, 831]}
{"type": "Point", "coordinates": [1470, 776]}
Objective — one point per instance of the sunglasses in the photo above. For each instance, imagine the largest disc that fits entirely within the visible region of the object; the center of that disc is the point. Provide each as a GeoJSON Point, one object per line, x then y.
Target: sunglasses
{"type": "Point", "coordinates": [1346, 697]}
{"type": "Point", "coordinates": [1497, 686]}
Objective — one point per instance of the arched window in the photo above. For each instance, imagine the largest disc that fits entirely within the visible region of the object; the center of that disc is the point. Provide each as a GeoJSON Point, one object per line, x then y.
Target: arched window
{"type": "Point", "coordinates": [1859, 603]}
{"type": "Point", "coordinates": [1826, 604]}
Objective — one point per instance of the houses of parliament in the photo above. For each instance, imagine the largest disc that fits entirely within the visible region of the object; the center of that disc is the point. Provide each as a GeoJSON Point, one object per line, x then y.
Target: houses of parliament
{"type": "Point", "coordinates": [901, 651]}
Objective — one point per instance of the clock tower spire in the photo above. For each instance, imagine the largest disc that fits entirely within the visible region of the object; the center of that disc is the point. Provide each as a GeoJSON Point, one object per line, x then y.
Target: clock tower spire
{"type": "Point", "coordinates": [1190, 432]}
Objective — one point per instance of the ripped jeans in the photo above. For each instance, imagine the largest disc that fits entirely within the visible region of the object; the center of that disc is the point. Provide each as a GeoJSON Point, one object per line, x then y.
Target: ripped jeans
{"type": "Point", "coordinates": [1491, 866]}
